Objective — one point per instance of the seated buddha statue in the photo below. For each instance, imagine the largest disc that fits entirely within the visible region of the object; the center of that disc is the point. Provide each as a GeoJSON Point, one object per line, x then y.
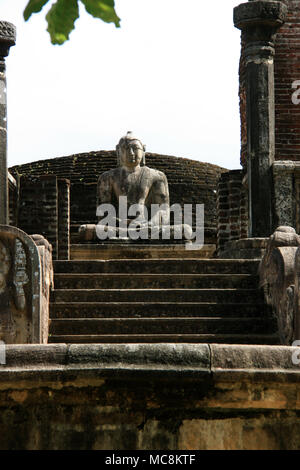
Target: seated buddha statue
{"type": "Point", "coordinates": [135, 189]}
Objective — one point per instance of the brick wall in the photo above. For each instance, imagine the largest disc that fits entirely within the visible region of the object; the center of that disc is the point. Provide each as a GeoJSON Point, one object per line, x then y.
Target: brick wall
{"type": "Point", "coordinates": [38, 208]}
{"type": "Point", "coordinates": [63, 218]}
{"type": "Point", "coordinates": [43, 208]}
{"type": "Point", "coordinates": [286, 71]}
{"type": "Point", "coordinates": [189, 181]}
{"type": "Point", "coordinates": [232, 208]}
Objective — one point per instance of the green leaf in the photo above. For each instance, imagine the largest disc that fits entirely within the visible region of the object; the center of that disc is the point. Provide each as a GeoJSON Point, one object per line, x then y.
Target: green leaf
{"type": "Point", "coordinates": [61, 18]}
{"type": "Point", "coordinates": [33, 6]}
{"type": "Point", "coordinates": [103, 9]}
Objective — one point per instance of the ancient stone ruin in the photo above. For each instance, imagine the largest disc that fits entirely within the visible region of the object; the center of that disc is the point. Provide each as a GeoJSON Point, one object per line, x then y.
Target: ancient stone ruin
{"type": "Point", "coordinates": [123, 343]}
{"type": "Point", "coordinates": [129, 193]}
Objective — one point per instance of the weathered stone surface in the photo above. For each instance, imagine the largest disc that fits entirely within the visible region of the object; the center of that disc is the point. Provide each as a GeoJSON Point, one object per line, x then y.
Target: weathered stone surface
{"type": "Point", "coordinates": [132, 187]}
{"type": "Point", "coordinates": [266, 13]}
{"type": "Point", "coordinates": [210, 266]}
{"type": "Point", "coordinates": [245, 248]}
{"type": "Point", "coordinates": [158, 295]}
{"type": "Point", "coordinates": [259, 21]}
{"type": "Point", "coordinates": [126, 397]}
{"type": "Point", "coordinates": [153, 309]}
{"type": "Point", "coordinates": [270, 432]}
{"type": "Point", "coordinates": [284, 193]}
{"type": "Point", "coordinates": [47, 282]}
{"type": "Point", "coordinates": [189, 181]}
{"type": "Point", "coordinates": [162, 281]}
{"type": "Point", "coordinates": [156, 356]}
{"type": "Point", "coordinates": [262, 361]}
{"type": "Point", "coordinates": [165, 300]}
{"type": "Point", "coordinates": [27, 356]}
{"type": "Point", "coordinates": [218, 362]}
{"type": "Point", "coordinates": [277, 278]}
{"type": "Point", "coordinates": [26, 275]}
{"type": "Point", "coordinates": [116, 251]}
{"type": "Point", "coordinates": [7, 39]}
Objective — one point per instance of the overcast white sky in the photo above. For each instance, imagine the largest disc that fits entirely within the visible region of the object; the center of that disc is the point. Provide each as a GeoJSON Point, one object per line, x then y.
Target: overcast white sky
{"type": "Point", "coordinates": [169, 74]}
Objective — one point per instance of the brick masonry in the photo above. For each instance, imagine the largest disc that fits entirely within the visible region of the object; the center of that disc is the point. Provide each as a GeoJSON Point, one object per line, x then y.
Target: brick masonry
{"type": "Point", "coordinates": [232, 208]}
{"type": "Point", "coordinates": [63, 221]}
{"type": "Point", "coordinates": [43, 207]}
{"type": "Point", "coordinates": [189, 181]}
{"type": "Point", "coordinates": [38, 209]}
{"type": "Point", "coordinates": [286, 72]}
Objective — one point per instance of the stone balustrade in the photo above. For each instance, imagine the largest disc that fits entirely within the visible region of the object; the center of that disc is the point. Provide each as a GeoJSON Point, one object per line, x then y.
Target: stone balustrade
{"type": "Point", "coordinates": [279, 277]}
{"type": "Point", "coordinates": [26, 277]}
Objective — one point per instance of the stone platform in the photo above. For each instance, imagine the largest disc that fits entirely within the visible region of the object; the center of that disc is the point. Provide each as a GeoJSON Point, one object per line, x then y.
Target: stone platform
{"type": "Point", "coordinates": [145, 396]}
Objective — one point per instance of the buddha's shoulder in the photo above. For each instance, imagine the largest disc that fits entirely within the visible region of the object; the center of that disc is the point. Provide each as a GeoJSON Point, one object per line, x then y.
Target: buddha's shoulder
{"type": "Point", "coordinates": [155, 173]}
{"type": "Point", "coordinates": [109, 174]}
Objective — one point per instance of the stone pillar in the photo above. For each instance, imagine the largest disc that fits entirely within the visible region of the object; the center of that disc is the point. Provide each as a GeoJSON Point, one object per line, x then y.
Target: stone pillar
{"type": "Point", "coordinates": [7, 39]}
{"type": "Point", "coordinates": [259, 21]}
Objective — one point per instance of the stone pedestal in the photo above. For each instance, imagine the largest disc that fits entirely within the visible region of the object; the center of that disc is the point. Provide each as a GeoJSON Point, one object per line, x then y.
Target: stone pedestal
{"type": "Point", "coordinates": [259, 22]}
{"type": "Point", "coordinates": [7, 39]}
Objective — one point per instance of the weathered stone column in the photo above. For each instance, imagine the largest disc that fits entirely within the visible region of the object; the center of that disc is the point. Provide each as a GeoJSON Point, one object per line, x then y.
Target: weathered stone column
{"type": "Point", "coordinates": [259, 21]}
{"type": "Point", "coordinates": [284, 193]}
{"type": "Point", "coordinates": [7, 39]}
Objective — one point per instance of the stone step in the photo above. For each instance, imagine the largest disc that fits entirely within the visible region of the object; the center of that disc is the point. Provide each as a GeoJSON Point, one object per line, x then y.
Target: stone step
{"type": "Point", "coordinates": [158, 266]}
{"type": "Point", "coordinates": [169, 338]}
{"type": "Point", "coordinates": [158, 295]}
{"type": "Point", "coordinates": [153, 309]}
{"type": "Point", "coordinates": [117, 326]}
{"type": "Point", "coordinates": [154, 281]}
{"type": "Point", "coordinates": [108, 251]}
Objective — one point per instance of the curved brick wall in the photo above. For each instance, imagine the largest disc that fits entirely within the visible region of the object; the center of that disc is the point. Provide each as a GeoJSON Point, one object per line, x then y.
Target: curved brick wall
{"type": "Point", "coordinates": [189, 181]}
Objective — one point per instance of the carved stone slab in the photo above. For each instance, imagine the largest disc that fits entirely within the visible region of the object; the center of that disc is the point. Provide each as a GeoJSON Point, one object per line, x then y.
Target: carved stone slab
{"type": "Point", "coordinates": [25, 278]}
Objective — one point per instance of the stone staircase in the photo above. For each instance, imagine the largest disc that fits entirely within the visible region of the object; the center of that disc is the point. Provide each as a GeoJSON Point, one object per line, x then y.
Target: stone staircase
{"type": "Point", "coordinates": [159, 300]}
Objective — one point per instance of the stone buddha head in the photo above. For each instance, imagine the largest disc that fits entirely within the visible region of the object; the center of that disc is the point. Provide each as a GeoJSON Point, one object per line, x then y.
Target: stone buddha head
{"type": "Point", "coordinates": [130, 151]}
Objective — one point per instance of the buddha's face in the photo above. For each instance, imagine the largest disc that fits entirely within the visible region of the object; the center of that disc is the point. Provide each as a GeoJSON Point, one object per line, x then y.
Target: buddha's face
{"type": "Point", "coordinates": [131, 153]}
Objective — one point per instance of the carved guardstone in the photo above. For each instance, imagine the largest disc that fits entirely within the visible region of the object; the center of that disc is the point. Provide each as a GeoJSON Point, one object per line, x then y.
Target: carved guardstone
{"type": "Point", "coordinates": [26, 275]}
{"type": "Point", "coordinates": [278, 278]}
